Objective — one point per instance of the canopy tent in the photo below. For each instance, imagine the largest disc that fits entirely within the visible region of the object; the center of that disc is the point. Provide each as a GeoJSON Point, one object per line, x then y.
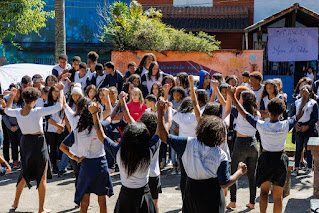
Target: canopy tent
{"type": "Point", "coordinates": [13, 73]}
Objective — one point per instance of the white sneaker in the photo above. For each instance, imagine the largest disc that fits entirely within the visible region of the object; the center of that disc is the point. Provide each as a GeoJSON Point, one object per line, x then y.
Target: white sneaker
{"type": "Point", "coordinates": [174, 172]}
{"type": "Point", "coordinates": [294, 173]}
{"type": "Point", "coordinates": [169, 163]}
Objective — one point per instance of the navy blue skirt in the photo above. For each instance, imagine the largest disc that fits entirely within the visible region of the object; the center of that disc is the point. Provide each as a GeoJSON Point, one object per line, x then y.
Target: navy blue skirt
{"type": "Point", "coordinates": [94, 178]}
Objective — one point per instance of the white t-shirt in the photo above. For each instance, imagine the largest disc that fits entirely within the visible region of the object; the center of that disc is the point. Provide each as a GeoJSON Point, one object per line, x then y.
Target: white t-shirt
{"type": "Point", "coordinates": [82, 81]}
{"type": "Point", "coordinates": [311, 76]}
{"type": "Point", "coordinates": [99, 79]}
{"type": "Point", "coordinates": [33, 122]}
{"type": "Point", "coordinates": [258, 93]}
{"type": "Point", "coordinates": [90, 73]}
{"type": "Point", "coordinates": [187, 123]}
{"type": "Point", "coordinates": [149, 83]}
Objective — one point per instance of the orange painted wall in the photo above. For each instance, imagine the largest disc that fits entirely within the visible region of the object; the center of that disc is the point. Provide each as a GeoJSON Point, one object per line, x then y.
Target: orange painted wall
{"type": "Point", "coordinates": [225, 62]}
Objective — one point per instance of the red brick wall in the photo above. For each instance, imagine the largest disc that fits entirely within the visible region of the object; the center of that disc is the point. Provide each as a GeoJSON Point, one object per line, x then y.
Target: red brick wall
{"type": "Point", "coordinates": [246, 3]}
{"type": "Point", "coordinates": [155, 3]}
{"type": "Point", "coordinates": [229, 40]}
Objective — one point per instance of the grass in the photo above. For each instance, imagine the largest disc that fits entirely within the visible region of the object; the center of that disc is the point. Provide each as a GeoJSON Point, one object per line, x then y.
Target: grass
{"type": "Point", "coordinates": [289, 144]}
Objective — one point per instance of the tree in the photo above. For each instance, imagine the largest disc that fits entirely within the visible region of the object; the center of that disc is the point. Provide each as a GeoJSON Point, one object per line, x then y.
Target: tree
{"type": "Point", "coordinates": [60, 35]}
{"type": "Point", "coordinates": [22, 16]}
{"type": "Point", "coordinates": [131, 28]}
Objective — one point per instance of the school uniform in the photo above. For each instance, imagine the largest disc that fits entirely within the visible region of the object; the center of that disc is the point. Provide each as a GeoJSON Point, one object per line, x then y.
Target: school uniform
{"type": "Point", "coordinates": [97, 80]}
{"type": "Point", "coordinates": [245, 150]}
{"type": "Point", "coordinates": [34, 150]}
{"type": "Point", "coordinates": [53, 138]}
{"type": "Point", "coordinates": [149, 83]}
{"type": "Point", "coordinates": [206, 169]}
{"type": "Point", "coordinates": [115, 80]}
{"type": "Point", "coordinates": [94, 174]}
{"type": "Point", "coordinates": [84, 81]}
{"type": "Point", "coordinates": [258, 93]}
{"type": "Point", "coordinates": [135, 196]}
{"type": "Point", "coordinates": [310, 117]}
{"type": "Point", "coordinates": [57, 70]}
{"type": "Point", "coordinates": [273, 162]}
{"type": "Point", "coordinates": [155, 175]}
{"type": "Point", "coordinates": [265, 101]}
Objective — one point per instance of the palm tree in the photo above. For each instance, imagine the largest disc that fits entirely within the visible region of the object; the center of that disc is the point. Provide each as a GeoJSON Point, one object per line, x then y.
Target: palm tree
{"type": "Point", "coordinates": [60, 37]}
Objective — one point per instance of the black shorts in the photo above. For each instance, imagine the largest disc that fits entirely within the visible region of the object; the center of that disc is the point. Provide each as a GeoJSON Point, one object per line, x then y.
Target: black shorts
{"type": "Point", "coordinates": [155, 186]}
{"type": "Point", "coordinates": [273, 167]}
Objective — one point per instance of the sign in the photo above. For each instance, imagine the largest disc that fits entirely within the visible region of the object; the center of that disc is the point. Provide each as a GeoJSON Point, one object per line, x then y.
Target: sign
{"type": "Point", "coordinates": [190, 67]}
{"type": "Point", "coordinates": [292, 44]}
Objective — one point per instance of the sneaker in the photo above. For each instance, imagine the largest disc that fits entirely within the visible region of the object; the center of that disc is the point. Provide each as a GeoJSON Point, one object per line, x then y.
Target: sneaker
{"type": "Point", "coordinates": [61, 173]}
{"type": "Point", "coordinates": [294, 172]}
{"type": "Point", "coordinates": [169, 163]}
{"type": "Point", "coordinates": [174, 171]}
{"type": "Point", "coordinates": [55, 170]}
{"type": "Point", "coordinates": [16, 165]}
{"type": "Point", "coordinates": [303, 166]}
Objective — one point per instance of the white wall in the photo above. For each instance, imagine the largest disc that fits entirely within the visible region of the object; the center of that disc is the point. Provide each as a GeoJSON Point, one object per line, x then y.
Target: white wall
{"type": "Point", "coordinates": [193, 3]}
{"type": "Point", "coordinates": [266, 8]}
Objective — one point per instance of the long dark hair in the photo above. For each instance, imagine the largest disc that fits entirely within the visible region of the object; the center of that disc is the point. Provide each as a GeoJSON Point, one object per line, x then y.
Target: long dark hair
{"type": "Point", "coordinates": [135, 152]}
{"type": "Point", "coordinates": [51, 101]}
{"type": "Point", "coordinates": [133, 77]}
{"type": "Point", "coordinates": [273, 83]}
{"type": "Point", "coordinates": [186, 105]}
{"type": "Point", "coordinates": [249, 102]}
{"type": "Point", "coordinates": [183, 78]}
{"type": "Point", "coordinates": [160, 89]}
{"type": "Point", "coordinates": [86, 120]}
{"type": "Point", "coordinates": [150, 71]}
{"type": "Point", "coordinates": [145, 56]}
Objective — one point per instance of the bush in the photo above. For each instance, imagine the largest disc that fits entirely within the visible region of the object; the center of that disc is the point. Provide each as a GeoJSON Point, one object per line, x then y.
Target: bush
{"type": "Point", "coordinates": [131, 28]}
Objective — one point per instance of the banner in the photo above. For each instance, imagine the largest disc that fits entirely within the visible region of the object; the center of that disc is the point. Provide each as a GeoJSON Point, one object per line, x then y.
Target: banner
{"type": "Point", "coordinates": [292, 44]}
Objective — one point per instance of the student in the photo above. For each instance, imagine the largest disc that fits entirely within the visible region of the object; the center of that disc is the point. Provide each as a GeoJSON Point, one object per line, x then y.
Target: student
{"type": "Point", "coordinates": [37, 81]}
{"type": "Point", "coordinates": [94, 175]}
{"type": "Point", "coordinates": [136, 104]}
{"type": "Point", "coordinates": [182, 81]}
{"type": "Point", "coordinates": [204, 82]}
{"type": "Point", "coordinates": [98, 77]}
{"type": "Point", "coordinates": [202, 98]}
{"type": "Point", "coordinates": [256, 79]}
{"type": "Point", "coordinates": [305, 127]}
{"type": "Point", "coordinates": [135, 80]}
{"type": "Point", "coordinates": [91, 92]}
{"type": "Point", "coordinates": [62, 67]}
{"type": "Point", "coordinates": [26, 82]}
{"type": "Point", "coordinates": [91, 63]}
{"type": "Point", "coordinates": [13, 129]}
{"type": "Point", "coordinates": [131, 66]}
{"type": "Point", "coordinates": [34, 151]}
{"type": "Point", "coordinates": [145, 63]}
{"type": "Point", "coordinates": [273, 162]}
{"type": "Point", "coordinates": [157, 90]}
{"type": "Point", "coordinates": [113, 78]}
{"type": "Point", "coordinates": [51, 80]}
{"type": "Point", "coordinates": [270, 91]}
{"type": "Point", "coordinates": [232, 80]}
{"type": "Point", "coordinates": [310, 74]}
{"type": "Point", "coordinates": [206, 176]}
{"type": "Point", "coordinates": [133, 156]}
{"type": "Point", "coordinates": [218, 77]}
{"type": "Point", "coordinates": [153, 75]}
{"type": "Point", "coordinates": [246, 78]}
{"type": "Point", "coordinates": [5, 168]}
{"type": "Point", "coordinates": [245, 147]}
{"type": "Point", "coordinates": [150, 102]}
{"type": "Point", "coordinates": [76, 60]}
{"type": "Point", "coordinates": [168, 79]}
{"type": "Point", "coordinates": [150, 121]}
{"type": "Point", "coordinates": [118, 116]}
{"type": "Point", "coordinates": [81, 77]}
{"type": "Point", "coordinates": [54, 127]}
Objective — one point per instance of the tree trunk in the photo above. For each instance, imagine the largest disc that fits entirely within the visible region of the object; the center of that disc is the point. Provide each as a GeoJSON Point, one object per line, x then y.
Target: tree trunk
{"type": "Point", "coordinates": [60, 37]}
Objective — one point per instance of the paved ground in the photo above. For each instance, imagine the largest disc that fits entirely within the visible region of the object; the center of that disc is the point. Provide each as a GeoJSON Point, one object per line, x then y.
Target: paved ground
{"type": "Point", "coordinates": [60, 194]}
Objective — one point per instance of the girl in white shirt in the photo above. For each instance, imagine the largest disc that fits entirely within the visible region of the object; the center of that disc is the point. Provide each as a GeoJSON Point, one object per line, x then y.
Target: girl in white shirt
{"type": "Point", "coordinates": [152, 76]}
{"type": "Point", "coordinates": [133, 155]}
{"type": "Point", "coordinates": [34, 151]}
{"type": "Point", "coordinates": [94, 175]}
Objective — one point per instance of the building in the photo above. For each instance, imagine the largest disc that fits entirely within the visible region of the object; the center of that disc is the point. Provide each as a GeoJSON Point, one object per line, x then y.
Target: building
{"type": "Point", "coordinates": [81, 27]}
{"type": "Point", "coordinates": [224, 19]}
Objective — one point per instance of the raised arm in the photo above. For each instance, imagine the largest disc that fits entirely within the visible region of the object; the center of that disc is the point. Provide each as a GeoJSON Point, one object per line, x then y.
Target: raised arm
{"type": "Point", "coordinates": [12, 96]}
{"type": "Point", "coordinates": [240, 108]}
{"type": "Point", "coordinates": [123, 97]}
{"type": "Point", "coordinates": [228, 106]}
{"type": "Point", "coordinates": [169, 115]}
{"type": "Point", "coordinates": [193, 97]}
{"type": "Point", "coordinates": [214, 85]}
{"type": "Point", "coordinates": [93, 108]}
{"type": "Point", "coordinates": [108, 109]}
{"type": "Point", "coordinates": [166, 91]}
{"type": "Point", "coordinates": [161, 130]}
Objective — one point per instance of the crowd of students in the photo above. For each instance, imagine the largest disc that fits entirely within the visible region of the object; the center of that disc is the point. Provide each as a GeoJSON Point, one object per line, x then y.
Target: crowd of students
{"type": "Point", "coordinates": [96, 120]}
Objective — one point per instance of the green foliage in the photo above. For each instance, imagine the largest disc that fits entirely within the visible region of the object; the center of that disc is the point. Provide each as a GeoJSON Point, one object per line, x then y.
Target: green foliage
{"type": "Point", "coordinates": [131, 28]}
{"type": "Point", "coordinates": [22, 16]}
